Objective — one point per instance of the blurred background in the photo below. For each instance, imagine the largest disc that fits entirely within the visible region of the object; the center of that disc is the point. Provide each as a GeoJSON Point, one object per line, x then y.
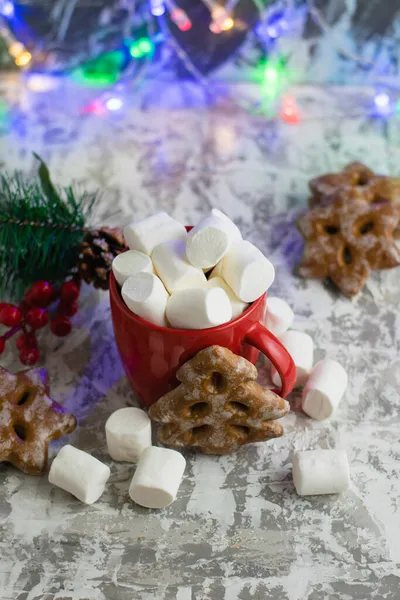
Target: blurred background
{"type": "Point", "coordinates": [104, 91]}
{"type": "Point", "coordinates": [100, 42]}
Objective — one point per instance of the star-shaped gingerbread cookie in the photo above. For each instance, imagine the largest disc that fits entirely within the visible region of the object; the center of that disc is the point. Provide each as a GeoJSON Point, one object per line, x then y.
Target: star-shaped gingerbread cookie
{"type": "Point", "coordinates": [29, 420]}
{"type": "Point", "coordinates": [355, 182]}
{"type": "Point", "coordinates": [346, 241]}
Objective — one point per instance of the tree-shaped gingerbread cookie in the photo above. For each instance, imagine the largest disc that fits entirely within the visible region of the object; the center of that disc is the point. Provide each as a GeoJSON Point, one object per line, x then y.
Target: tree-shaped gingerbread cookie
{"type": "Point", "coordinates": [218, 406]}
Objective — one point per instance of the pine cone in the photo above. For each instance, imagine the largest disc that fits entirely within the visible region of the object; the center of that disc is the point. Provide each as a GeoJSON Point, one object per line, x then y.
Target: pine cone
{"type": "Point", "coordinates": [98, 250]}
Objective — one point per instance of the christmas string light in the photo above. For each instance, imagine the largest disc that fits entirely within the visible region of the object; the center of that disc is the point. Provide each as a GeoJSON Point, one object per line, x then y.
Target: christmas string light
{"type": "Point", "coordinates": [6, 8]}
{"type": "Point", "coordinates": [16, 49]}
{"type": "Point", "coordinates": [141, 51]}
{"type": "Point", "coordinates": [275, 22]}
{"type": "Point", "coordinates": [221, 21]}
{"type": "Point", "coordinates": [273, 84]}
{"type": "Point", "coordinates": [383, 104]}
{"type": "Point", "coordinates": [23, 59]}
{"type": "Point", "coordinates": [114, 103]}
{"type": "Point", "coordinates": [141, 48]}
{"type": "Point", "coordinates": [221, 15]}
{"type": "Point", "coordinates": [276, 26]}
{"type": "Point", "coordinates": [178, 16]}
{"type": "Point", "coordinates": [289, 112]}
{"type": "Point", "coordinates": [157, 7]}
{"type": "Point", "coordinates": [40, 82]}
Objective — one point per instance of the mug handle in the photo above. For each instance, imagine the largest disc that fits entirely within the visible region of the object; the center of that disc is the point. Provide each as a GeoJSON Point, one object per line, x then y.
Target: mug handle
{"type": "Point", "coordinates": [262, 339]}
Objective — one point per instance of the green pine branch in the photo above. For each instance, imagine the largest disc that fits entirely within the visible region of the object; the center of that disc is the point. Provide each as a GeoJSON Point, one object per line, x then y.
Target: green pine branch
{"type": "Point", "coordinates": [41, 228]}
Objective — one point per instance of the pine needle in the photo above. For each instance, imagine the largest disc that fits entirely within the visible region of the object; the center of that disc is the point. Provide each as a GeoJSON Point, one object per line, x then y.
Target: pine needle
{"type": "Point", "coordinates": [41, 228]}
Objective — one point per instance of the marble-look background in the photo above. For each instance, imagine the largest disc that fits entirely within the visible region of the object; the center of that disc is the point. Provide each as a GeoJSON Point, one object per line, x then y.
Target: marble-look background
{"type": "Point", "coordinates": [237, 531]}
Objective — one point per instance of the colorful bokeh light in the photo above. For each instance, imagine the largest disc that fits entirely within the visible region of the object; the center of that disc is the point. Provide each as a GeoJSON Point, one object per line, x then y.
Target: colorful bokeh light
{"type": "Point", "coordinates": [23, 59]}
{"type": "Point", "coordinates": [114, 103]}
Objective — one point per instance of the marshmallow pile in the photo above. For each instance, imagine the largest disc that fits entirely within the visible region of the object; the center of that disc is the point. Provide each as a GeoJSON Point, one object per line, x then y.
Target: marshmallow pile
{"type": "Point", "coordinates": [158, 474]}
{"type": "Point", "coordinates": [193, 280]}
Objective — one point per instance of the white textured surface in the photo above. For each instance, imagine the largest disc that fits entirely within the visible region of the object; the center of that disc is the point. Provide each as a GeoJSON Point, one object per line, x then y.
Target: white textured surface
{"type": "Point", "coordinates": [238, 530]}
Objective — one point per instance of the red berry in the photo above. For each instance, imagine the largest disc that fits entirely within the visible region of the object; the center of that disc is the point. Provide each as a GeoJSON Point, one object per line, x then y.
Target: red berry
{"type": "Point", "coordinates": [68, 309]}
{"type": "Point", "coordinates": [21, 341]}
{"type": "Point", "coordinates": [37, 318]}
{"type": "Point", "coordinates": [2, 345]}
{"type": "Point", "coordinates": [61, 326]}
{"type": "Point", "coordinates": [26, 340]}
{"type": "Point", "coordinates": [29, 356]}
{"type": "Point", "coordinates": [3, 307]}
{"type": "Point", "coordinates": [31, 341]}
{"type": "Point", "coordinates": [24, 306]}
{"type": "Point", "coordinates": [10, 316]}
{"type": "Point", "coordinates": [39, 294]}
{"type": "Point", "coordinates": [69, 292]}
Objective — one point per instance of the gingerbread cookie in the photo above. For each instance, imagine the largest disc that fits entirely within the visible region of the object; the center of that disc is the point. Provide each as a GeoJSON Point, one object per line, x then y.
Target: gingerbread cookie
{"type": "Point", "coordinates": [29, 420]}
{"type": "Point", "coordinates": [219, 406]}
{"type": "Point", "coordinates": [355, 182]}
{"type": "Point", "coordinates": [355, 175]}
{"type": "Point", "coordinates": [346, 240]}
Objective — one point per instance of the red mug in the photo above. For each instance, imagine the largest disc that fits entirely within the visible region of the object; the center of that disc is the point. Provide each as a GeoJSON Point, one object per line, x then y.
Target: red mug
{"type": "Point", "coordinates": [151, 355]}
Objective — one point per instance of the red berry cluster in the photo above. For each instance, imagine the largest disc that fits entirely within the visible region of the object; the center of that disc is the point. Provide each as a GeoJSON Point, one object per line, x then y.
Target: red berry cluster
{"type": "Point", "coordinates": [33, 314]}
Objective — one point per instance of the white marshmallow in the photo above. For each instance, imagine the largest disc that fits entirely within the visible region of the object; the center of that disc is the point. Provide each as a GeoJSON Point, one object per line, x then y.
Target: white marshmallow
{"type": "Point", "coordinates": [217, 271]}
{"type": "Point", "coordinates": [237, 305]}
{"type": "Point", "coordinates": [210, 240]}
{"type": "Point", "coordinates": [215, 212]}
{"type": "Point", "coordinates": [174, 269]}
{"type": "Point", "coordinates": [321, 472]}
{"type": "Point", "coordinates": [218, 213]}
{"type": "Point", "coordinates": [129, 263]}
{"type": "Point", "coordinates": [301, 348]}
{"type": "Point", "coordinates": [199, 308]}
{"type": "Point", "coordinates": [247, 271]}
{"type": "Point", "coordinates": [79, 473]}
{"type": "Point", "coordinates": [147, 234]}
{"type": "Point", "coordinates": [157, 478]}
{"type": "Point", "coordinates": [324, 389]}
{"type": "Point", "coordinates": [145, 295]}
{"type": "Point", "coordinates": [128, 433]}
{"type": "Point", "coordinates": [279, 316]}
